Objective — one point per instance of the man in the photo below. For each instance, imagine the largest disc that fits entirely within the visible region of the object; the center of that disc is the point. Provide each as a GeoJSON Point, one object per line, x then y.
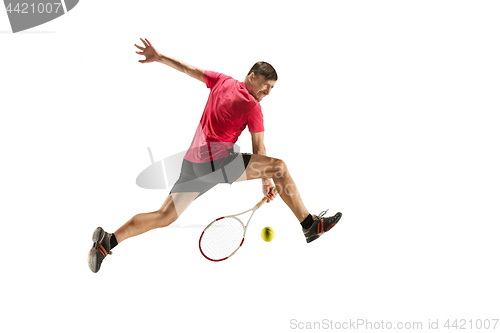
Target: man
{"type": "Point", "coordinates": [211, 160]}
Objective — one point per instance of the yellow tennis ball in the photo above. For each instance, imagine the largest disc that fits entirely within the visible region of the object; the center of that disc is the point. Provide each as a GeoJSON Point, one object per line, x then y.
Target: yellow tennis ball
{"type": "Point", "coordinates": [267, 234]}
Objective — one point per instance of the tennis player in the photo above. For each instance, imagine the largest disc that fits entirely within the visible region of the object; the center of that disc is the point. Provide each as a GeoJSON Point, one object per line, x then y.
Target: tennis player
{"type": "Point", "coordinates": [231, 107]}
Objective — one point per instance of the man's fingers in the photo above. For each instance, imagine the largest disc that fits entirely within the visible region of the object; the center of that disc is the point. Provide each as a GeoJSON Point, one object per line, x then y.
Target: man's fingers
{"type": "Point", "coordinates": [146, 43]}
{"type": "Point", "coordinates": [140, 47]}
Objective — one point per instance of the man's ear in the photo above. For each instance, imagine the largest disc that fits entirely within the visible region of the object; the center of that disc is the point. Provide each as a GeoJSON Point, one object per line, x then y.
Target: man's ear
{"type": "Point", "coordinates": [251, 76]}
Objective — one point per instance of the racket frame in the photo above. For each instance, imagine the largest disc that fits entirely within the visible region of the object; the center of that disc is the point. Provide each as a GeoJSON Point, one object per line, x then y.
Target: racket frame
{"type": "Point", "coordinates": [253, 210]}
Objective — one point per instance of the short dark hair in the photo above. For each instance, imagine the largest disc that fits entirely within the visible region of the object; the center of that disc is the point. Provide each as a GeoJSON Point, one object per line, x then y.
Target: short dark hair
{"type": "Point", "coordinates": [265, 69]}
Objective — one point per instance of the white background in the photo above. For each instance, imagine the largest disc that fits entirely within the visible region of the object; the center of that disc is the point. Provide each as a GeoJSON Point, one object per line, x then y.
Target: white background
{"type": "Point", "coordinates": [384, 110]}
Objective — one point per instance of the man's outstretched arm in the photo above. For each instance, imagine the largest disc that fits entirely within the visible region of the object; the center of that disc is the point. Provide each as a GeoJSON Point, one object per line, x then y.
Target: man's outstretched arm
{"type": "Point", "coordinates": [152, 55]}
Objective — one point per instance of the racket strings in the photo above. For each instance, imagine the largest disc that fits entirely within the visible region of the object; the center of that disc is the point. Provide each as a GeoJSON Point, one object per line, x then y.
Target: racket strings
{"type": "Point", "coordinates": [222, 238]}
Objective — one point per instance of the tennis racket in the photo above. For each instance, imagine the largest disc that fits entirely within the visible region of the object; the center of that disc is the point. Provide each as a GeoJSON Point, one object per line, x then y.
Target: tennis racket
{"type": "Point", "coordinates": [224, 236]}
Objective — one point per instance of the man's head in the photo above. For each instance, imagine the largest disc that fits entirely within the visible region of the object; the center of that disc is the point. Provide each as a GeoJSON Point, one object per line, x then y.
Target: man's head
{"type": "Point", "coordinates": [260, 80]}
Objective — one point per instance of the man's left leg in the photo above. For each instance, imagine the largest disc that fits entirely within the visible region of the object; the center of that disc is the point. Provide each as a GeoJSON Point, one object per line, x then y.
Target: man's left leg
{"type": "Point", "coordinates": [172, 208]}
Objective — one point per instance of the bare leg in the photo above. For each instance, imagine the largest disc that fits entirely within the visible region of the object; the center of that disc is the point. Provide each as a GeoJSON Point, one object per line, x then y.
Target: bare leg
{"type": "Point", "coordinates": [261, 167]}
{"type": "Point", "coordinates": [172, 208]}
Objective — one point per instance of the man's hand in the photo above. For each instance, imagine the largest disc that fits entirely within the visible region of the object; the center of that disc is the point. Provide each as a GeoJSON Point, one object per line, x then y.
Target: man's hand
{"type": "Point", "coordinates": [267, 189]}
{"type": "Point", "coordinates": [148, 51]}
{"type": "Point", "coordinates": [152, 55]}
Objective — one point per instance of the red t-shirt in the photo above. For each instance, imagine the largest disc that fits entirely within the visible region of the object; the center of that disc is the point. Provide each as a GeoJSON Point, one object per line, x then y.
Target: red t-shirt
{"type": "Point", "coordinates": [230, 108]}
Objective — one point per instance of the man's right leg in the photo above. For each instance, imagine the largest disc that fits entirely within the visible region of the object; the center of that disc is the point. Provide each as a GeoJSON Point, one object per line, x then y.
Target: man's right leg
{"type": "Point", "coordinates": [263, 167]}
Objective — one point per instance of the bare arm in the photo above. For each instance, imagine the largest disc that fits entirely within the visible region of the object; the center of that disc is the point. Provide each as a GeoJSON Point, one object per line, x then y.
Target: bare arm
{"type": "Point", "coordinates": [258, 143]}
{"type": "Point", "coordinates": [184, 67]}
{"type": "Point", "coordinates": [259, 148]}
{"type": "Point", "coordinates": [152, 55]}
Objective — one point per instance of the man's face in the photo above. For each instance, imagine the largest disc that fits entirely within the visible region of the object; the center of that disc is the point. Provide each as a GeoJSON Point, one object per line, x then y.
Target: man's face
{"type": "Point", "coordinates": [259, 87]}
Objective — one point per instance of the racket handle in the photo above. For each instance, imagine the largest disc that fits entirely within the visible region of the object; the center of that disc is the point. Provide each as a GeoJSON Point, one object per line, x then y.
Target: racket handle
{"type": "Point", "coordinates": [264, 200]}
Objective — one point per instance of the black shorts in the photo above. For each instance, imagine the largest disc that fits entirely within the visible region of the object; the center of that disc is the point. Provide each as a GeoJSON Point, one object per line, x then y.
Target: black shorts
{"type": "Point", "coordinates": [201, 177]}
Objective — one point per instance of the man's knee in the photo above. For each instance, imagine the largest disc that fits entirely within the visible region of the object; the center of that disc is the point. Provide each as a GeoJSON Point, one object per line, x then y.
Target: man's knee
{"type": "Point", "coordinates": [265, 167]}
{"type": "Point", "coordinates": [166, 217]}
{"type": "Point", "coordinates": [279, 168]}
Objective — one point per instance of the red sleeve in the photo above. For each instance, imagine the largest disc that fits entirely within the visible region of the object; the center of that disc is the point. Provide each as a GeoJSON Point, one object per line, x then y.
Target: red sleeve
{"type": "Point", "coordinates": [255, 120]}
{"type": "Point", "coordinates": [211, 78]}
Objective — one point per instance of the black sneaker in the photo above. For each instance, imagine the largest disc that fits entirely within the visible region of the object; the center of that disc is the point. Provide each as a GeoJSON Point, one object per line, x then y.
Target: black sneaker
{"type": "Point", "coordinates": [320, 226]}
{"type": "Point", "coordinates": [100, 249]}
